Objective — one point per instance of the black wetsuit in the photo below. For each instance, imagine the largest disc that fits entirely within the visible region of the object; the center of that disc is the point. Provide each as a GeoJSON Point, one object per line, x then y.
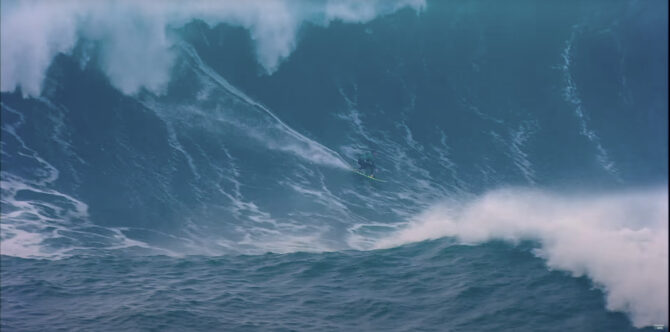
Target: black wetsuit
{"type": "Point", "coordinates": [366, 164]}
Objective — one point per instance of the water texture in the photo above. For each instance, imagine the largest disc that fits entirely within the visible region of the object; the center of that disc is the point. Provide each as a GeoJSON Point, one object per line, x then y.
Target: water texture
{"type": "Point", "coordinates": [186, 166]}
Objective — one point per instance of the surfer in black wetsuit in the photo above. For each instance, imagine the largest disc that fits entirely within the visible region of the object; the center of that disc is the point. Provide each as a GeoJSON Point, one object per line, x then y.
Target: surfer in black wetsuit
{"type": "Point", "coordinates": [366, 164]}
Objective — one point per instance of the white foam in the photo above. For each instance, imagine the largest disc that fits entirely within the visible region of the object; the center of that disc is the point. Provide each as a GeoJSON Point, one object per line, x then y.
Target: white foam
{"type": "Point", "coordinates": [45, 173]}
{"type": "Point", "coordinates": [619, 240]}
{"type": "Point", "coordinates": [443, 153]}
{"type": "Point", "coordinates": [35, 215]}
{"type": "Point", "coordinates": [519, 156]}
{"type": "Point", "coordinates": [32, 34]}
{"type": "Point", "coordinates": [571, 95]}
{"type": "Point", "coordinates": [270, 130]}
{"type": "Point", "coordinates": [514, 149]}
{"type": "Point", "coordinates": [28, 225]}
{"type": "Point", "coordinates": [135, 38]}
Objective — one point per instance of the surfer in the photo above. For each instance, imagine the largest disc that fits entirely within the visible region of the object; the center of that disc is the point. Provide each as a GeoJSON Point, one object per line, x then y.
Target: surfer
{"type": "Point", "coordinates": [366, 164]}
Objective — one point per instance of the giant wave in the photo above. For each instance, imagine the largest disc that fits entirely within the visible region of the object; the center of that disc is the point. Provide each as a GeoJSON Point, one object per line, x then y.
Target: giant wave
{"type": "Point", "coordinates": [219, 128]}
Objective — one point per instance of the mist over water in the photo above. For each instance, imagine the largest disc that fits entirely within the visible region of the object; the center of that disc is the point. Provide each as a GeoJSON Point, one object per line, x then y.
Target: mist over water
{"type": "Point", "coordinates": [518, 137]}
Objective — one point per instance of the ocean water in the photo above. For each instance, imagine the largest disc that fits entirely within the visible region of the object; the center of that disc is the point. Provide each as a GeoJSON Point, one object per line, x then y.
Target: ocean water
{"type": "Point", "coordinates": [186, 166]}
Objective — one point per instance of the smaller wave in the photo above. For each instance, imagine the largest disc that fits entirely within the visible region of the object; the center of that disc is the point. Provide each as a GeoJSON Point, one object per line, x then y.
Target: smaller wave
{"type": "Point", "coordinates": [619, 240]}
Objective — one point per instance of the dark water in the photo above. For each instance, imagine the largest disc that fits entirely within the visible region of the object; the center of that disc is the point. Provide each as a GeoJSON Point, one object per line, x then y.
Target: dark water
{"type": "Point", "coordinates": [524, 145]}
{"type": "Point", "coordinates": [427, 286]}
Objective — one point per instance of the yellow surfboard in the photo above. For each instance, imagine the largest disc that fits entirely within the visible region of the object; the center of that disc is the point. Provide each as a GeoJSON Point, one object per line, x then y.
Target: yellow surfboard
{"type": "Point", "coordinates": [367, 176]}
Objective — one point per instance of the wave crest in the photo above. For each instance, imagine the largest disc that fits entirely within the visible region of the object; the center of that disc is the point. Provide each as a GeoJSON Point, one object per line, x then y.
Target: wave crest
{"type": "Point", "coordinates": [619, 240]}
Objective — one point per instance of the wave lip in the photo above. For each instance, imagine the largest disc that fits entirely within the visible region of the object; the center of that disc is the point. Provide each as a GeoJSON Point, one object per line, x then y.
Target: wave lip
{"type": "Point", "coordinates": [619, 240]}
{"type": "Point", "coordinates": [34, 32]}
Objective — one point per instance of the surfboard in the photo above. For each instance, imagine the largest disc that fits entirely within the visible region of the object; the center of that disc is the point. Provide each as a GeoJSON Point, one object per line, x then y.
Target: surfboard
{"type": "Point", "coordinates": [367, 176]}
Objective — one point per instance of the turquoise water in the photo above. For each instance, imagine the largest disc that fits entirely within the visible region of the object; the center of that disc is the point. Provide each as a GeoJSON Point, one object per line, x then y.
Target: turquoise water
{"type": "Point", "coordinates": [187, 166]}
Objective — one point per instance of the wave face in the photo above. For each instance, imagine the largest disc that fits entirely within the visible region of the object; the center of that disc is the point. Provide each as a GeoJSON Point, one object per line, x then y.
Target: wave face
{"type": "Point", "coordinates": [131, 130]}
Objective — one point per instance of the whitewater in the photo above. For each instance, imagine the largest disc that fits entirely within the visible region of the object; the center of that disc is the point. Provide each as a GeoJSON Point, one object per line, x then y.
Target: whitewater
{"type": "Point", "coordinates": [187, 166]}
